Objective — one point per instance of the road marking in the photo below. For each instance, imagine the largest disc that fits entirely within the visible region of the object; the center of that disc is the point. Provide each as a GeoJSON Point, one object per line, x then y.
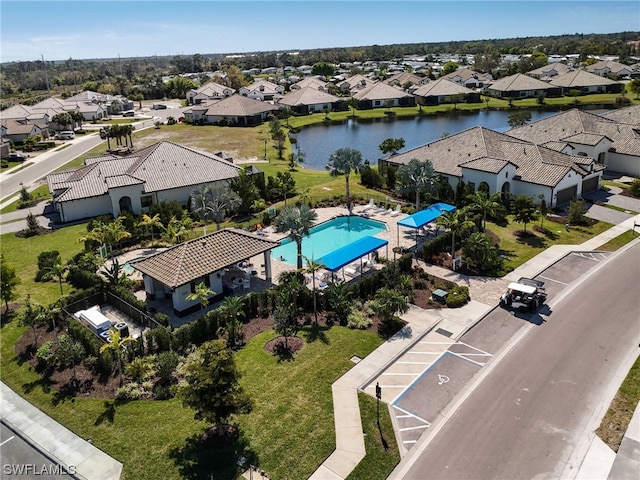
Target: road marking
{"type": "Point", "coordinates": [406, 412]}
{"type": "Point", "coordinates": [480, 364]}
{"type": "Point", "coordinates": [409, 441]}
{"type": "Point", "coordinates": [8, 440]}
{"type": "Point", "coordinates": [414, 363]}
{"type": "Point", "coordinates": [401, 374]}
{"type": "Point", "coordinates": [406, 429]}
{"type": "Point", "coordinates": [442, 379]}
{"type": "Point", "coordinates": [553, 280]}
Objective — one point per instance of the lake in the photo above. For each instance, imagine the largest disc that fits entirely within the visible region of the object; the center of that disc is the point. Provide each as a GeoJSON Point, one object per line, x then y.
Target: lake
{"type": "Point", "coordinates": [318, 142]}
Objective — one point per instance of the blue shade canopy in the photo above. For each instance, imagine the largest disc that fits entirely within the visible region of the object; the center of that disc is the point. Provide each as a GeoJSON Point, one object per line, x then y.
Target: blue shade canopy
{"type": "Point", "coordinates": [429, 214]}
{"type": "Point", "coordinates": [345, 255]}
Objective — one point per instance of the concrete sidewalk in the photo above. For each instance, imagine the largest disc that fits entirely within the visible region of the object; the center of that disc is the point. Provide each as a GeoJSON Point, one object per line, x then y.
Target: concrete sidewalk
{"type": "Point", "coordinates": [55, 440]}
{"type": "Point", "coordinates": [421, 324]}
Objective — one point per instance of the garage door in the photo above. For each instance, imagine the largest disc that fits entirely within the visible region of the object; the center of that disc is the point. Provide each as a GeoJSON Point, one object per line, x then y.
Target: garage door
{"type": "Point", "coordinates": [566, 195]}
{"type": "Point", "coordinates": [590, 185]}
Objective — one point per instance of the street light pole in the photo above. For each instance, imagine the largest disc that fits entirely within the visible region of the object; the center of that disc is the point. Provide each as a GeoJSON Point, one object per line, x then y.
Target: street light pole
{"type": "Point", "coordinates": [378, 397]}
{"type": "Point", "coordinates": [265, 149]}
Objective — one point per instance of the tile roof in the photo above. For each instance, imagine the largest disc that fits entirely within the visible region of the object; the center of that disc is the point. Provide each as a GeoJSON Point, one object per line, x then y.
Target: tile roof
{"type": "Point", "coordinates": [196, 258]}
{"type": "Point", "coordinates": [483, 149]}
{"type": "Point", "coordinates": [441, 87]}
{"type": "Point", "coordinates": [309, 82]}
{"type": "Point", "coordinates": [239, 106]}
{"type": "Point", "coordinates": [625, 138]}
{"type": "Point", "coordinates": [380, 91]}
{"type": "Point", "coordinates": [263, 87]}
{"type": "Point", "coordinates": [213, 89]}
{"type": "Point", "coordinates": [518, 82]}
{"type": "Point", "coordinates": [465, 74]}
{"type": "Point", "coordinates": [580, 78]}
{"type": "Point", "coordinates": [551, 69]}
{"type": "Point", "coordinates": [403, 77]}
{"type": "Point", "coordinates": [307, 96]}
{"type": "Point", "coordinates": [161, 166]}
{"type": "Point", "coordinates": [629, 115]}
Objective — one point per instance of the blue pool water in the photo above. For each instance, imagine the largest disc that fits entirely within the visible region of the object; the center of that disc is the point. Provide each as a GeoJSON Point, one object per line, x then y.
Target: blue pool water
{"type": "Point", "coordinates": [327, 237]}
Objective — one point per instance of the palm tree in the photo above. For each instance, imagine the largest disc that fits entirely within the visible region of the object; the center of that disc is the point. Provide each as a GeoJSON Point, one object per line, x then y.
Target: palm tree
{"type": "Point", "coordinates": [174, 230]}
{"type": "Point", "coordinates": [116, 345]}
{"type": "Point", "coordinates": [416, 177]}
{"type": "Point", "coordinates": [457, 223]}
{"type": "Point", "coordinates": [115, 232]}
{"type": "Point", "coordinates": [57, 271]}
{"type": "Point", "coordinates": [353, 104]}
{"type": "Point", "coordinates": [232, 308]}
{"type": "Point", "coordinates": [298, 220]}
{"type": "Point", "coordinates": [485, 204]}
{"type": "Point", "coordinates": [312, 268]}
{"type": "Point", "coordinates": [214, 201]}
{"type": "Point", "coordinates": [342, 162]}
{"type": "Point", "coordinates": [150, 223]}
{"type": "Point", "coordinates": [201, 293]}
{"type": "Point", "coordinates": [104, 135]}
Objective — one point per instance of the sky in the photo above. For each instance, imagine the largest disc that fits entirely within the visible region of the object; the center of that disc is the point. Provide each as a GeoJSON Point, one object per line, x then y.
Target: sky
{"type": "Point", "coordinates": [84, 29]}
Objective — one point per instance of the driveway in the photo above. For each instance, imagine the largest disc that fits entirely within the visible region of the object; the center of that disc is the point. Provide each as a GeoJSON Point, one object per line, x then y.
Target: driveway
{"type": "Point", "coordinates": [605, 214]}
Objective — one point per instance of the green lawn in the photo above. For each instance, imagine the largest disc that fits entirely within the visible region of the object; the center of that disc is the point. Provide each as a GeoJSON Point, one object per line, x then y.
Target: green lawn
{"type": "Point", "coordinates": [619, 241]}
{"type": "Point", "coordinates": [380, 443]}
{"type": "Point", "coordinates": [290, 430]}
{"type": "Point", "coordinates": [39, 194]}
{"type": "Point", "coordinates": [519, 251]}
{"type": "Point", "coordinates": [22, 254]}
{"type": "Point", "coordinates": [617, 419]}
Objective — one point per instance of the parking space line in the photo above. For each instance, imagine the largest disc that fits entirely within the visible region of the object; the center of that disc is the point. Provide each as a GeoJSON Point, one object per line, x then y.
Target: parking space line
{"type": "Point", "coordinates": [409, 441]}
{"type": "Point", "coordinates": [418, 427]}
{"type": "Point", "coordinates": [553, 280]}
{"type": "Point", "coordinates": [414, 363]}
{"type": "Point", "coordinates": [401, 374]}
{"type": "Point", "coordinates": [467, 359]}
{"type": "Point", "coordinates": [428, 423]}
{"type": "Point", "coordinates": [476, 349]}
{"type": "Point", "coordinates": [8, 440]}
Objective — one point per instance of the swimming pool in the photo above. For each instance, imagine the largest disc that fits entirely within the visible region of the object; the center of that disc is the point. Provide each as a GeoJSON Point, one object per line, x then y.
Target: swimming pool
{"type": "Point", "coordinates": [327, 237]}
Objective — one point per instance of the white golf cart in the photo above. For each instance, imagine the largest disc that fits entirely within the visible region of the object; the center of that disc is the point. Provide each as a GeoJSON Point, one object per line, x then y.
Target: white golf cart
{"type": "Point", "coordinates": [525, 294]}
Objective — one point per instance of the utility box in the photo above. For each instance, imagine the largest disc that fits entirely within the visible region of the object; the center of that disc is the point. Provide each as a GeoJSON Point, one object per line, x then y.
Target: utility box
{"type": "Point", "coordinates": [94, 320]}
{"type": "Point", "coordinates": [439, 295]}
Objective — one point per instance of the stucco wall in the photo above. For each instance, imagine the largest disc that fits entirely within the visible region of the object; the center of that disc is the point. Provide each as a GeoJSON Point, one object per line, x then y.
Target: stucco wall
{"type": "Point", "coordinates": [85, 208]}
{"type": "Point", "coordinates": [623, 164]}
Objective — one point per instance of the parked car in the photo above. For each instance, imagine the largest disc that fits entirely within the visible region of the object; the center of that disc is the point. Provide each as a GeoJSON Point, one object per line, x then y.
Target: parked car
{"type": "Point", "coordinates": [16, 157]}
{"type": "Point", "coordinates": [65, 135]}
{"type": "Point", "coordinates": [130, 113]}
{"type": "Point", "coordinates": [159, 106]}
{"type": "Point", "coordinates": [525, 294]}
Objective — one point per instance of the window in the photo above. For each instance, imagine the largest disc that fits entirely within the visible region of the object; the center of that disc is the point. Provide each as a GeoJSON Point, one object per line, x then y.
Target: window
{"type": "Point", "coordinates": [146, 201]}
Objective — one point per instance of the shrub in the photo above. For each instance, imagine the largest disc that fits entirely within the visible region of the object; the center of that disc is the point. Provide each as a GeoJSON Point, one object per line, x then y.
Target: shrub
{"type": "Point", "coordinates": [357, 319]}
{"type": "Point", "coordinates": [45, 355]}
{"type": "Point", "coordinates": [46, 260]}
{"type": "Point", "coordinates": [131, 391]}
{"type": "Point", "coordinates": [634, 188]}
{"type": "Point", "coordinates": [165, 364]}
{"type": "Point", "coordinates": [458, 296]}
{"type": "Point", "coordinates": [576, 213]}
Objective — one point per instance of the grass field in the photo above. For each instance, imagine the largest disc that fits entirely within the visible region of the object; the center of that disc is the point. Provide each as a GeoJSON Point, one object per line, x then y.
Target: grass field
{"type": "Point", "coordinates": [289, 432]}
{"type": "Point", "coordinates": [619, 241]}
{"type": "Point", "coordinates": [520, 250]}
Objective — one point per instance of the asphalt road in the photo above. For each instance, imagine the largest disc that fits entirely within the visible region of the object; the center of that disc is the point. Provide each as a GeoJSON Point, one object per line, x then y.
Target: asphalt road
{"type": "Point", "coordinates": [21, 461]}
{"type": "Point", "coordinates": [40, 166]}
{"type": "Point", "coordinates": [528, 417]}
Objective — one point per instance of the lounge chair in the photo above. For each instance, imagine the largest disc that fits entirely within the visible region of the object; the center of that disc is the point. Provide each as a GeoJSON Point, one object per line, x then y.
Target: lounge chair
{"type": "Point", "coordinates": [369, 205]}
{"type": "Point", "coordinates": [397, 211]}
{"type": "Point", "coordinates": [353, 270]}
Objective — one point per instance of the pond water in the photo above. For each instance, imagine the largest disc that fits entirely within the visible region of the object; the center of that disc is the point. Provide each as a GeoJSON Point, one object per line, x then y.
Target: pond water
{"type": "Point", "coordinates": [318, 142]}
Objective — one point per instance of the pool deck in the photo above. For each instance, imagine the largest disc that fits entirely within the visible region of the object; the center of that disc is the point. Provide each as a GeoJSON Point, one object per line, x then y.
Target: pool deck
{"type": "Point", "coordinates": [258, 282]}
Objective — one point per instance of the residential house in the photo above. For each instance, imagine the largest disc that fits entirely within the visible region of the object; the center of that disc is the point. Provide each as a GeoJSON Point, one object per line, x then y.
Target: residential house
{"type": "Point", "coordinates": [522, 86]}
{"type": "Point", "coordinates": [585, 83]}
{"type": "Point", "coordinates": [552, 70]}
{"type": "Point", "coordinates": [17, 131]}
{"type": "Point", "coordinates": [407, 80]}
{"type": "Point", "coordinates": [379, 94]}
{"type": "Point", "coordinates": [469, 78]}
{"type": "Point", "coordinates": [499, 163]}
{"type": "Point", "coordinates": [444, 91]}
{"type": "Point", "coordinates": [355, 83]}
{"type": "Point", "coordinates": [613, 143]}
{"type": "Point", "coordinates": [110, 184]}
{"type": "Point", "coordinates": [175, 272]}
{"type": "Point", "coordinates": [209, 91]}
{"type": "Point", "coordinates": [314, 82]}
{"type": "Point", "coordinates": [262, 90]}
{"type": "Point", "coordinates": [605, 68]}
{"type": "Point", "coordinates": [234, 110]}
{"type": "Point", "coordinates": [311, 100]}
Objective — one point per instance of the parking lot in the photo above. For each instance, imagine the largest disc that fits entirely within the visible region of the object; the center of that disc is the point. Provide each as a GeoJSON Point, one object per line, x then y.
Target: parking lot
{"type": "Point", "coordinates": [427, 377]}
